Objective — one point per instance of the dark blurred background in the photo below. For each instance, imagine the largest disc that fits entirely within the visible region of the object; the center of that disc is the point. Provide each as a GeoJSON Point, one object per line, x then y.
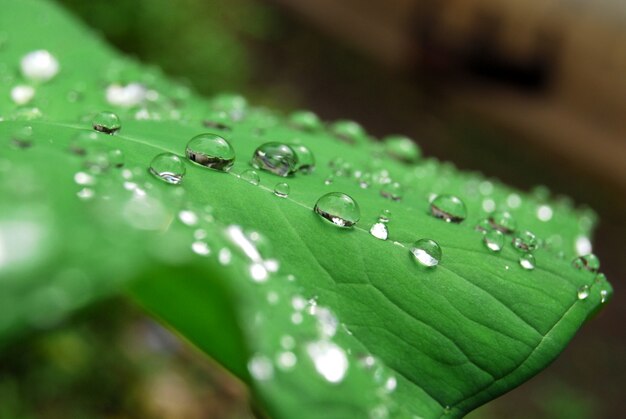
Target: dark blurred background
{"type": "Point", "coordinates": [530, 92]}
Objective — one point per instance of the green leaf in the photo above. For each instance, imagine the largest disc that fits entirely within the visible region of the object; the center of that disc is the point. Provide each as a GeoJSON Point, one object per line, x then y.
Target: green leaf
{"type": "Point", "coordinates": [319, 320]}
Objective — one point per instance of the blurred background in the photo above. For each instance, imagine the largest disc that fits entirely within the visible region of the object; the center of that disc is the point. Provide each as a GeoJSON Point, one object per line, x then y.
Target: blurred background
{"type": "Point", "coordinates": [530, 92]}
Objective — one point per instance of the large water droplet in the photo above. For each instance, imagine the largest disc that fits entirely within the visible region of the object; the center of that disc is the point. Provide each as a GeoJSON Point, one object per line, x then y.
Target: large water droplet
{"type": "Point", "coordinates": [393, 191]}
{"type": "Point", "coordinates": [39, 66]}
{"type": "Point", "coordinates": [107, 122]}
{"type": "Point", "coordinates": [426, 252]}
{"type": "Point", "coordinates": [494, 240]}
{"type": "Point", "coordinates": [583, 292]}
{"type": "Point", "coordinates": [525, 241]}
{"type": "Point", "coordinates": [305, 121]}
{"type": "Point", "coordinates": [527, 261]}
{"type": "Point", "coordinates": [448, 208]}
{"type": "Point", "coordinates": [503, 221]}
{"type": "Point", "coordinates": [338, 208]}
{"type": "Point", "coordinates": [251, 177]}
{"type": "Point", "coordinates": [305, 157]}
{"type": "Point", "coordinates": [402, 148]}
{"type": "Point", "coordinates": [379, 230]}
{"type": "Point", "coordinates": [277, 158]}
{"type": "Point", "coordinates": [168, 167]}
{"type": "Point", "coordinates": [329, 359]}
{"type": "Point", "coordinates": [281, 190]}
{"type": "Point", "coordinates": [212, 151]}
{"type": "Point", "coordinates": [589, 262]}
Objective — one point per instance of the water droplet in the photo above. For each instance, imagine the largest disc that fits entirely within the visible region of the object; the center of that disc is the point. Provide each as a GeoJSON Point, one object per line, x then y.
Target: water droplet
{"type": "Point", "coordinates": [39, 66]}
{"type": "Point", "coordinates": [218, 120]}
{"type": "Point", "coordinates": [583, 292]}
{"type": "Point", "coordinates": [107, 122]}
{"type": "Point", "coordinates": [82, 142]}
{"type": "Point", "coordinates": [200, 248]}
{"type": "Point", "coordinates": [489, 205]}
{"type": "Point", "coordinates": [503, 221]}
{"type": "Point", "coordinates": [281, 190]}
{"type": "Point", "coordinates": [384, 216]}
{"type": "Point", "coordinates": [22, 137]}
{"type": "Point", "coordinates": [525, 241]}
{"type": "Point", "coordinates": [212, 151]}
{"type": "Point", "coordinates": [329, 180]}
{"type": "Point", "coordinates": [277, 158]}
{"type": "Point", "coordinates": [604, 295]}
{"type": "Point", "coordinates": [261, 368]}
{"type": "Point", "coordinates": [338, 208]}
{"type": "Point", "coordinates": [583, 245]}
{"type": "Point", "coordinates": [379, 230]}
{"type": "Point", "coordinates": [448, 208]}
{"type": "Point", "coordinates": [286, 360]}
{"type": "Point", "coordinates": [234, 104]}
{"type": "Point", "coordinates": [22, 94]}
{"type": "Point", "coordinates": [393, 191]}
{"type": "Point", "coordinates": [348, 131]}
{"type": "Point", "coordinates": [305, 157]}
{"type": "Point", "coordinates": [329, 359]}
{"type": "Point", "coordinates": [483, 226]}
{"type": "Point", "coordinates": [402, 148]}
{"type": "Point", "coordinates": [125, 96]}
{"type": "Point", "coordinates": [494, 240]}
{"type": "Point", "coordinates": [544, 213]}
{"type": "Point", "coordinates": [327, 323]}
{"type": "Point", "coordinates": [305, 121]}
{"type": "Point", "coordinates": [514, 201]}
{"type": "Point", "coordinates": [426, 252]}
{"type": "Point", "coordinates": [85, 193]}
{"type": "Point", "coordinates": [168, 167]}
{"type": "Point", "coordinates": [589, 262]}
{"type": "Point", "coordinates": [251, 177]}
{"type": "Point", "coordinates": [365, 180]}
{"type": "Point", "coordinates": [527, 261]}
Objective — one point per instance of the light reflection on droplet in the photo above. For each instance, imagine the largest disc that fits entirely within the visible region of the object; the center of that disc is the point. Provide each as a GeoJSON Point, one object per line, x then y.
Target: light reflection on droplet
{"type": "Point", "coordinates": [329, 359]}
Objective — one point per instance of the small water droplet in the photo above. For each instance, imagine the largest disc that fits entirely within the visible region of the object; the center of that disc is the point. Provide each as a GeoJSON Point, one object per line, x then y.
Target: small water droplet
{"type": "Point", "coordinates": [168, 167]}
{"type": "Point", "coordinates": [200, 248]}
{"type": "Point", "coordinates": [525, 241]}
{"type": "Point", "coordinates": [583, 292]}
{"type": "Point", "coordinates": [39, 66]}
{"type": "Point", "coordinates": [212, 151]}
{"type": "Point", "coordinates": [338, 208]}
{"type": "Point", "coordinates": [402, 148]}
{"type": "Point", "coordinates": [107, 122]}
{"type": "Point", "coordinates": [251, 177]}
{"type": "Point", "coordinates": [527, 261]}
{"type": "Point", "coordinates": [426, 252]}
{"type": "Point", "coordinates": [494, 240]}
{"type": "Point", "coordinates": [286, 360]}
{"type": "Point", "coordinates": [483, 226]}
{"type": "Point", "coordinates": [393, 191]}
{"type": "Point", "coordinates": [305, 158]}
{"type": "Point", "coordinates": [85, 193]}
{"type": "Point", "coordinates": [277, 158]}
{"type": "Point", "coordinates": [384, 216]}
{"type": "Point", "coordinates": [305, 121]}
{"type": "Point", "coordinates": [329, 359]}
{"type": "Point", "coordinates": [448, 208]}
{"type": "Point", "coordinates": [583, 245]}
{"type": "Point", "coordinates": [22, 137]}
{"type": "Point", "coordinates": [379, 230]}
{"type": "Point", "coordinates": [365, 180]}
{"type": "Point", "coordinates": [604, 295]}
{"type": "Point", "coordinates": [281, 190]}
{"type": "Point", "coordinates": [503, 221]}
{"type": "Point", "coordinates": [287, 342]}
{"type": "Point", "coordinates": [125, 96]}
{"type": "Point", "coordinates": [544, 213]}
{"type": "Point", "coordinates": [22, 94]}
{"type": "Point", "coordinates": [514, 201]}
{"type": "Point", "coordinates": [348, 131]}
{"type": "Point", "coordinates": [329, 180]}
{"type": "Point", "coordinates": [589, 262]}
{"type": "Point", "coordinates": [261, 368]}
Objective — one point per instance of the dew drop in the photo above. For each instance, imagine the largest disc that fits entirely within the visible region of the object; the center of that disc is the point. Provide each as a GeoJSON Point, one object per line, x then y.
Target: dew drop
{"type": "Point", "coordinates": [338, 208]}
{"type": "Point", "coordinates": [39, 66]}
{"type": "Point", "coordinates": [365, 180]}
{"type": "Point", "coordinates": [277, 158]}
{"type": "Point", "coordinates": [329, 180]}
{"type": "Point", "coordinates": [448, 208]}
{"type": "Point", "coordinates": [583, 292]}
{"type": "Point", "coordinates": [527, 261]}
{"type": "Point", "coordinates": [305, 158]}
{"type": "Point", "coordinates": [503, 221]}
{"type": "Point", "coordinates": [22, 137]}
{"type": "Point", "coordinates": [261, 368]}
{"type": "Point", "coordinates": [514, 200]}
{"type": "Point", "coordinates": [393, 191]}
{"type": "Point", "coordinates": [494, 240]}
{"type": "Point", "coordinates": [281, 190]}
{"type": "Point", "coordinates": [589, 262]}
{"type": "Point", "coordinates": [107, 122]}
{"type": "Point", "coordinates": [583, 245]}
{"type": "Point", "coordinates": [544, 213]}
{"type": "Point", "coordinates": [348, 131]}
{"type": "Point", "coordinates": [604, 295]}
{"type": "Point", "coordinates": [22, 94]}
{"type": "Point", "coordinates": [168, 167]}
{"type": "Point", "coordinates": [379, 230]}
{"type": "Point", "coordinates": [200, 248]}
{"type": "Point", "coordinates": [402, 148]}
{"type": "Point", "coordinates": [384, 216]}
{"type": "Point", "coordinates": [329, 359]}
{"type": "Point", "coordinates": [286, 360]}
{"type": "Point", "coordinates": [305, 121]}
{"type": "Point", "coordinates": [426, 252]}
{"type": "Point", "coordinates": [251, 177]}
{"type": "Point", "coordinates": [525, 241]}
{"type": "Point", "coordinates": [125, 96]}
{"type": "Point", "coordinates": [212, 151]}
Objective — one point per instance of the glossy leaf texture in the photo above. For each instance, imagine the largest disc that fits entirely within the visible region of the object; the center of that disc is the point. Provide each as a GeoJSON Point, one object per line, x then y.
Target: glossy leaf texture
{"type": "Point", "coordinates": [318, 319]}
